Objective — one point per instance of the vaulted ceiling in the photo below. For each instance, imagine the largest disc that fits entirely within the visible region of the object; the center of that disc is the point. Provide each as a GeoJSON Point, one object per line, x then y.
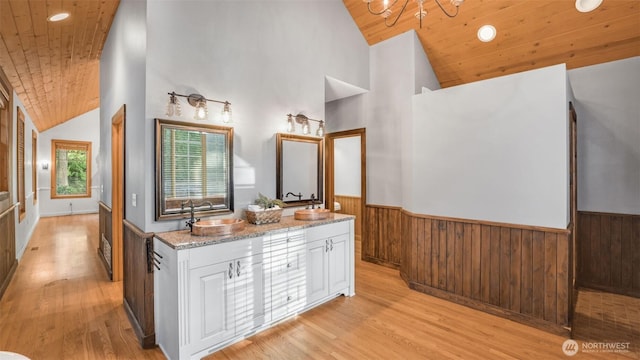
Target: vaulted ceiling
{"type": "Point", "coordinates": [54, 67]}
{"type": "Point", "coordinates": [530, 34]}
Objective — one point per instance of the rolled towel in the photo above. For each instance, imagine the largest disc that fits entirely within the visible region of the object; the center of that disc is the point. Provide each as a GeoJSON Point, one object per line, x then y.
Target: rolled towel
{"type": "Point", "coordinates": [254, 207]}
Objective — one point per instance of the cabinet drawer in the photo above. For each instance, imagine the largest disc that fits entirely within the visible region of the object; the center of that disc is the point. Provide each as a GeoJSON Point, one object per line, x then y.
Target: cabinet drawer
{"type": "Point", "coordinates": [212, 254]}
{"type": "Point", "coordinates": [325, 231]}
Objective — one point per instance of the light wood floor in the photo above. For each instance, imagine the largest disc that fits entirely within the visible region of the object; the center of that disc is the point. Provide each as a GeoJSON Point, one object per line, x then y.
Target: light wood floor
{"type": "Point", "coordinates": [60, 305]}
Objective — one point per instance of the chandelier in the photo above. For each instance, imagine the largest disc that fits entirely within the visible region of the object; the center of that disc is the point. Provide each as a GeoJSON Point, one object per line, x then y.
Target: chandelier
{"type": "Point", "coordinates": [386, 10]}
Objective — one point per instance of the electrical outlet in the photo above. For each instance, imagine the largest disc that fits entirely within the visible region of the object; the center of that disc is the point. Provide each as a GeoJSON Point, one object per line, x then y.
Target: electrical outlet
{"type": "Point", "coordinates": [133, 200]}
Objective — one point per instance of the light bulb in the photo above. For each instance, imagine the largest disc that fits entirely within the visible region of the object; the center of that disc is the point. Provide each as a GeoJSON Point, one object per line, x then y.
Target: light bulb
{"type": "Point", "coordinates": [320, 131]}
{"type": "Point", "coordinates": [291, 127]}
{"type": "Point", "coordinates": [305, 128]}
{"type": "Point", "coordinates": [201, 110]}
{"type": "Point", "coordinates": [226, 113]}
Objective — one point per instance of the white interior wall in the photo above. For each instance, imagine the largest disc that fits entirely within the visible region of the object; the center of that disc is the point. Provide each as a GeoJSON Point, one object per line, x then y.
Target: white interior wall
{"type": "Point", "coordinates": [388, 105]}
{"type": "Point", "coordinates": [267, 59]}
{"type": "Point", "coordinates": [347, 166]}
{"type": "Point", "coordinates": [122, 82]}
{"type": "Point", "coordinates": [85, 127]}
{"type": "Point", "coordinates": [494, 150]}
{"type": "Point", "coordinates": [24, 228]}
{"type": "Point", "coordinates": [608, 136]}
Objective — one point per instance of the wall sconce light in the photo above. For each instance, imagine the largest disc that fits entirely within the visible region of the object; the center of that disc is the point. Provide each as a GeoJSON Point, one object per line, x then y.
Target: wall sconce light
{"type": "Point", "coordinates": [304, 121]}
{"type": "Point", "coordinates": [199, 102]}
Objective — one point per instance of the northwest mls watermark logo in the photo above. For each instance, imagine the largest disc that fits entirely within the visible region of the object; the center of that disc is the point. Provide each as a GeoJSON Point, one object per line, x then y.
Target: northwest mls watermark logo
{"type": "Point", "coordinates": [571, 347]}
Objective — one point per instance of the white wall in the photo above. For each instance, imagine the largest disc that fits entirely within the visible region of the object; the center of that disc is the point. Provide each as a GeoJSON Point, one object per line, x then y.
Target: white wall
{"type": "Point", "coordinates": [24, 228]}
{"type": "Point", "coordinates": [347, 166]}
{"type": "Point", "coordinates": [85, 127]}
{"type": "Point", "coordinates": [122, 82]}
{"type": "Point", "coordinates": [608, 108]}
{"type": "Point", "coordinates": [397, 65]}
{"type": "Point", "coordinates": [494, 150]}
{"type": "Point", "coordinates": [267, 58]}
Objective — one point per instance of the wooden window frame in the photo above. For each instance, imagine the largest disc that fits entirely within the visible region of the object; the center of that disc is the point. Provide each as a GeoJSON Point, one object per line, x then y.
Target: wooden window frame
{"type": "Point", "coordinates": [34, 165]}
{"type": "Point", "coordinates": [20, 144]}
{"type": "Point", "coordinates": [83, 145]}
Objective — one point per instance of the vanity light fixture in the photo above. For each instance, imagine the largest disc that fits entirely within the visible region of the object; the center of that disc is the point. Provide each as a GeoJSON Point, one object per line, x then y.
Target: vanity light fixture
{"type": "Point", "coordinates": [386, 10]}
{"type": "Point", "coordinates": [304, 121]}
{"type": "Point", "coordinates": [199, 102]}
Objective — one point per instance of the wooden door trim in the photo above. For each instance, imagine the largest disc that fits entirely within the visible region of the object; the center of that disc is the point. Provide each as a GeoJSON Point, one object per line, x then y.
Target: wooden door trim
{"type": "Point", "coordinates": [329, 164]}
{"type": "Point", "coordinates": [117, 191]}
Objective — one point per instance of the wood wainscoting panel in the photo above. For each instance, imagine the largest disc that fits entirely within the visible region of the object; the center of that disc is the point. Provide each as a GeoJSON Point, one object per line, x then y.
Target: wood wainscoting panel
{"type": "Point", "coordinates": [138, 283]}
{"type": "Point", "coordinates": [608, 251]}
{"type": "Point", "coordinates": [351, 205]}
{"type": "Point", "coordinates": [516, 271]}
{"type": "Point", "coordinates": [8, 261]}
{"type": "Point", "coordinates": [382, 231]}
{"type": "Point", "coordinates": [104, 236]}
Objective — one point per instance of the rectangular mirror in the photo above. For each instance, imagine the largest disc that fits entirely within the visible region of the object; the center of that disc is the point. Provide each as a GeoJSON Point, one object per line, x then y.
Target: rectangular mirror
{"type": "Point", "coordinates": [299, 169]}
{"type": "Point", "coordinates": [194, 167]}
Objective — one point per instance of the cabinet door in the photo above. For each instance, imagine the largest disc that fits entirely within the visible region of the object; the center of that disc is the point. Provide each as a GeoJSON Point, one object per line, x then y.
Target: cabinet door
{"type": "Point", "coordinates": [317, 282]}
{"type": "Point", "coordinates": [212, 304]}
{"type": "Point", "coordinates": [338, 263]}
{"type": "Point", "coordinates": [249, 287]}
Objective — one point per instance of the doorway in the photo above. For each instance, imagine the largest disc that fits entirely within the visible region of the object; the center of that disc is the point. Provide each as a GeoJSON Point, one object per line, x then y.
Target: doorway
{"type": "Point", "coordinates": [117, 191]}
{"type": "Point", "coordinates": [346, 176]}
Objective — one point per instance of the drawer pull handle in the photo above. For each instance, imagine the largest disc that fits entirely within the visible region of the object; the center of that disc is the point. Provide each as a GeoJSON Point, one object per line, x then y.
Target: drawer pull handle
{"type": "Point", "coordinates": [238, 268]}
{"type": "Point", "coordinates": [331, 248]}
{"type": "Point", "coordinates": [230, 270]}
{"type": "Point", "coordinates": [289, 265]}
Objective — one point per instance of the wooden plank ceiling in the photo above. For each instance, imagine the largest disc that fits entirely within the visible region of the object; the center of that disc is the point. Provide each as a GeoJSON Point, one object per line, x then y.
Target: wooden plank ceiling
{"type": "Point", "coordinates": [530, 34]}
{"type": "Point", "coordinates": [54, 66]}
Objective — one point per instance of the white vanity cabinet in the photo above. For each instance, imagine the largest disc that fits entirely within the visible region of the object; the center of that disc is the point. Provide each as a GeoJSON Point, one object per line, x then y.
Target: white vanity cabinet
{"type": "Point", "coordinates": [208, 296]}
{"type": "Point", "coordinates": [328, 261]}
{"type": "Point", "coordinates": [287, 269]}
{"type": "Point", "coordinates": [220, 295]}
{"type": "Point", "coordinates": [226, 299]}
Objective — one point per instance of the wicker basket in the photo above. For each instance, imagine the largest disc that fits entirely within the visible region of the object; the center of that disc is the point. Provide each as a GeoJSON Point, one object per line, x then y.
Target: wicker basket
{"type": "Point", "coordinates": [264, 216]}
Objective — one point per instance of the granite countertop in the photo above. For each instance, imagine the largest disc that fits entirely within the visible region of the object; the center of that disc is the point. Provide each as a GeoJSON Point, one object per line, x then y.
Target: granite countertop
{"type": "Point", "coordinates": [182, 239]}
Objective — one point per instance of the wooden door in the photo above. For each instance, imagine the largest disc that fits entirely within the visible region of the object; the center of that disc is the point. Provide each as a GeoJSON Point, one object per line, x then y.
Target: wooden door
{"type": "Point", "coordinates": [573, 200]}
{"type": "Point", "coordinates": [358, 205]}
{"type": "Point", "coordinates": [117, 191]}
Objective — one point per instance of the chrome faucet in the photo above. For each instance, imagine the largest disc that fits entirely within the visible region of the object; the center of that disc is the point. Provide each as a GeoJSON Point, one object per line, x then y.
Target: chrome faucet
{"type": "Point", "coordinates": [192, 219]}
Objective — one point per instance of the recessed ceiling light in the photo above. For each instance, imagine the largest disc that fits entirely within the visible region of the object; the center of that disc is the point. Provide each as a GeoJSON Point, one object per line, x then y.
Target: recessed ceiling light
{"type": "Point", "coordinates": [587, 5]}
{"type": "Point", "coordinates": [58, 17]}
{"type": "Point", "coordinates": [486, 33]}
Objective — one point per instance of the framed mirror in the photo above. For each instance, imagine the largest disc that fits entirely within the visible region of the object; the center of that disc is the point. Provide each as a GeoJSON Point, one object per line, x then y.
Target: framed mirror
{"type": "Point", "coordinates": [299, 169]}
{"type": "Point", "coordinates": [194, 167]}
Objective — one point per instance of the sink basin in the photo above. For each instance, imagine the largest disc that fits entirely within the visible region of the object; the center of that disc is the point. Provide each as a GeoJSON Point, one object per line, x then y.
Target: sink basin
{"type": "Point", "coordinates": [217, 227]}
{"type": "Point", "coordinates": [311, 214]}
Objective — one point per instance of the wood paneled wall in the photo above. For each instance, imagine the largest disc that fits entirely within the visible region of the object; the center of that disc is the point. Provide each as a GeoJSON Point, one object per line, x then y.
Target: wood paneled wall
{"type": "Point", "coordinates": [8, 262]}
{"type": "Point", "coordinates": [104, 236]}
{"type": "Point", "coordinates": [518, 272]}
{"type": "Point", "coordinates": [608, 251]}
{"type": "Point", "coordinates": [352, 205]}
{"type": "Point", "coordinates": [138, 283]}
{"type": "Point", "coordinates": [382, 232]}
